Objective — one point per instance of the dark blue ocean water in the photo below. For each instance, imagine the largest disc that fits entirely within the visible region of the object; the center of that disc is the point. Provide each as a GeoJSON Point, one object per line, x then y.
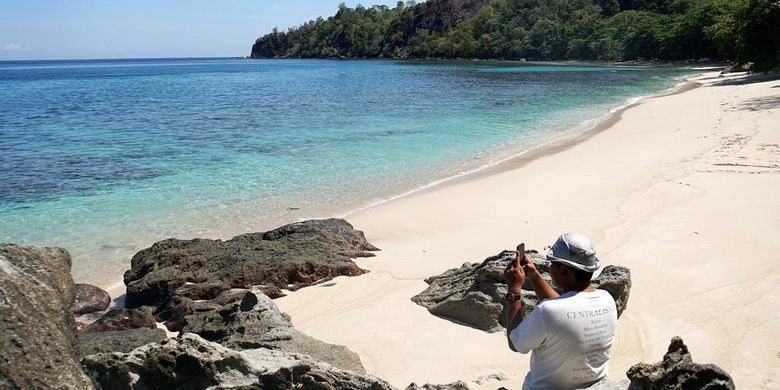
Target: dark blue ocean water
{"type": "Point", "coordinates": [104, 157]}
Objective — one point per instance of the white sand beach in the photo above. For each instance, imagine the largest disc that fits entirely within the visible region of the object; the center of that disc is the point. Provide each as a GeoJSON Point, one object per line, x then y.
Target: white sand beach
{"type": "Point", "coordinates": [683, 189]}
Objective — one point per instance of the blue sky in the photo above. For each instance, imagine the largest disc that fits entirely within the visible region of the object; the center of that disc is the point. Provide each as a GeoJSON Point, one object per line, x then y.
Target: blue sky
{"type": "Point", "coordinates": [64, 29]}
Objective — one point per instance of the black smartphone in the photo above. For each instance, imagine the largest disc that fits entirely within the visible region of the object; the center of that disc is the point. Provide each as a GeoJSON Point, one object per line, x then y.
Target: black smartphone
{"type": "Point", "coordinates": [521, 252]}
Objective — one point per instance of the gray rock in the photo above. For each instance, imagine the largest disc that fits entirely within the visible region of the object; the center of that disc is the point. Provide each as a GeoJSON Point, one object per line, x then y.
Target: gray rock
{"type": "Point", "coordinates": [176, 310]}
{"type": "Point", "coordinates": [121, 319]}
{"type": "Point", "coordinates": [677, 371]}
{"type": "Point", "coordinates": [611, 385]}
{"type": "Point", "coordinates": [38, 344]}
{"type": "Point", "coordinates": [491, 377]}
{"type": "Point", "coordinates": [118, 341]}
{"type": "Point", "coordinates": [474, 293]}
{"type": "Point", "coordinates": [254, 321]}
{"type": "Point", "coordinates": [290, 257]}
{"type": "Point", "coordinates": [89, 299]}
{"type": "Point", "coordinates": [190, 362]}
{"type": "Point", "coordinates": [617, 281]}
{"type": "Point", "coordinates": [459, 385]}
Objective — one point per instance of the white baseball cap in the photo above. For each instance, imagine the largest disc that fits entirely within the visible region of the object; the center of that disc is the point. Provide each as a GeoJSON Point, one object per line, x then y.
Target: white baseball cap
{"type": "Point", "coordinates": [574, 250]}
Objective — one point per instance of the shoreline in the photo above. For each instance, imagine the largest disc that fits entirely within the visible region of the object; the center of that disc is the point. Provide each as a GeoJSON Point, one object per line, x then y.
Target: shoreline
{"type": "Point", "coordinates": [650, 189]}
{"type": "Point", "coordinates": [554, 144]}
{"type": "Point", "coordinates": [557, 143]}
{"type": "Point", "coordinates": [291, 211]}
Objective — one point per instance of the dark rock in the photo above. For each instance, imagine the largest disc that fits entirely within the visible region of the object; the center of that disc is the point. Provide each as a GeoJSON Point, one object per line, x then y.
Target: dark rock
{"type": "Point", "coordinates": [290, 257]}
{"type": "Point", "coordinates": [175, 311]}
{"type": "Point", "coordinates": [121, 319]}
{"type": "Point", "coordinates": [89, 299]}
{"type": "Point", "coordinates": [617, 281]}
{"type": "Point", "coordinates": [38, 347]}
{"type": "Point", "coordinates": [459, 385]}
{"type": "Point", "coordinates": [677, 371]}
{"type": "Point", "coordinates": [118, 341]}
{"type": "Point", "coordinates": [254, 321]}
{"type": "Point", "coordinates": [190, 362]}
{"type": "Point", "coordinates": [474, 293]}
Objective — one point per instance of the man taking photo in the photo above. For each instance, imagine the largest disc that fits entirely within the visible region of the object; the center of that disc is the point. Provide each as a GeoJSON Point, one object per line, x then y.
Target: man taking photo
{"type": "Point", "coordinates": [569, 335]}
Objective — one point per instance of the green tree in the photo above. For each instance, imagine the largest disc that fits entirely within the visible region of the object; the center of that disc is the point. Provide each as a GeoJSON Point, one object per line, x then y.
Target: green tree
{"type": "Point", "coordinates": [748, 32]}
{"type": "Point", "coordinates": [741, 30]}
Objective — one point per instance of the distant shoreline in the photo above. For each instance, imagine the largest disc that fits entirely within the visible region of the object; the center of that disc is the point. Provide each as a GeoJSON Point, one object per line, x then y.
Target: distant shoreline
{"type": "Point", "coordinates": [703, 64]}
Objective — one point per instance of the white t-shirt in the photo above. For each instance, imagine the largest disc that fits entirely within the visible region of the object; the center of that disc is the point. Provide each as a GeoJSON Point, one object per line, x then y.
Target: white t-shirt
{"type": "Point", "coordinates": [571, 337]}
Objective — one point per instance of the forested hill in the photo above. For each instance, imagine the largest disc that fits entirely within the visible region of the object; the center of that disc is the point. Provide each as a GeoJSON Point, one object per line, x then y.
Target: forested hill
{"type": "Point", "coordinates": [607, 30]}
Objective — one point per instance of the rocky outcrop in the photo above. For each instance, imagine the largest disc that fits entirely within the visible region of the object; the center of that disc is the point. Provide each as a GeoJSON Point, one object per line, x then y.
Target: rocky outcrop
{"type": "Point", "coordinates": [38, 347]}
{"type": "Point", "coordinates": [254, 321]}
{"type": "Point", "coordinates": [192, 362]}
{"type": "Point", "coordinates": [290, 257]}
{"type": "Point", "coordinates": [677, 371]}
{"type": "Point", "coordinates": [118, 341]}
{"type": "Point", "coordinates": [459, 385]}
{"type": "Point", "coordinates": [121, 319]}
{"type": "Point", "coordinates": [617, 281]}
{"type": "Point", "coordinates": [474, 293]}
{"type": "Point", "coordinates": [89, 299]}
{"type": "Point", "coordinates": [219, 290]}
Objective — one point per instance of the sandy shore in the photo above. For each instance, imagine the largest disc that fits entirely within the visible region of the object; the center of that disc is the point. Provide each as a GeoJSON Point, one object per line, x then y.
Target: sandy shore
{"type": "Point", "coordinates": [683, 189]}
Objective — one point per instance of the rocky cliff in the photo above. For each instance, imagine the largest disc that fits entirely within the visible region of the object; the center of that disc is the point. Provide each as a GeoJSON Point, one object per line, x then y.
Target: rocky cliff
{"type": "Point", "coordinates": [38, 347]}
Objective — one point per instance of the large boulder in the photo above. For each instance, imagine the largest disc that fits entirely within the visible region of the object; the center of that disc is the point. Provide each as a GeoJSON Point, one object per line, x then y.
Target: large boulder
{"type": "Point", "coordinates": [38, 343]}
{"type": "Point", "coordinates": [89, 299]}
{"type": "Point", "coordinates": [254, 321]}
{"type": "Point", "coordinates": [118, 340]}
{"type": "Point", "coordinates": [617, 281]}
{"type": "Point", "coordinates": [121, 319]}
{"type": "Point", "coordinates": [474, 294]}
{"type": "Point", "coordinates": [190, 362]}
{"type": "Point", "coordinates": [290, 257]}
{"type": "Point", "coordinates": [677, 371]}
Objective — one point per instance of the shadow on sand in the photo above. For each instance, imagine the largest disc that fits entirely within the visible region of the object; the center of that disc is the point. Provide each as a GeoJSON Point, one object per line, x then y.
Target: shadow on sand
{"type": "Point", "coordinates": [762, 103]}
{"type": "Point", "coordinates": [750, 79]}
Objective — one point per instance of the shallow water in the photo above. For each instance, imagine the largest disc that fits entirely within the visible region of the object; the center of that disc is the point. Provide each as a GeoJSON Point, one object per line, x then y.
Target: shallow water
{"type": "Point", "coordinates": [105, 157]}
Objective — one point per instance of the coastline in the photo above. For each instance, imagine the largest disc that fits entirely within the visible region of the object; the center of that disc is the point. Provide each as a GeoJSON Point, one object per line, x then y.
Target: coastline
{"type": "Point", "coordinates": [651, 188]}
{"type": "Point", "coordinates": [228, 219]}
{"type": "Point", "coordinates": [555, 143]}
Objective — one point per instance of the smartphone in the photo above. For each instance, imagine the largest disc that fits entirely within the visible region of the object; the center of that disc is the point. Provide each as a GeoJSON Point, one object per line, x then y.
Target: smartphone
{"type": "Point", "coordinates": [521, 252]}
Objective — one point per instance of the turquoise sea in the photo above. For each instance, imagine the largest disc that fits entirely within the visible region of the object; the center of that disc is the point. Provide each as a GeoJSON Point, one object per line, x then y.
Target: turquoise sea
{"type": "Point", "coordinates": [105, 157]}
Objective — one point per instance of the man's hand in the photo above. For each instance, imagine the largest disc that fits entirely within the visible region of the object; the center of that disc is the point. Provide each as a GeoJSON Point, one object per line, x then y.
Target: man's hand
{"type": "Point", "coordinates": [515, 277]}
{"type": "Point", "coordinates": [514, 273]}
{"type": "Point", "coordinates": [529, 268]}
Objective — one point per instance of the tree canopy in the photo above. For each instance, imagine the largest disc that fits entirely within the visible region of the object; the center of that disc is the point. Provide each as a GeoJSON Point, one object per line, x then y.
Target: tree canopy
{"type": "Point", "coordinates": [744, 31]}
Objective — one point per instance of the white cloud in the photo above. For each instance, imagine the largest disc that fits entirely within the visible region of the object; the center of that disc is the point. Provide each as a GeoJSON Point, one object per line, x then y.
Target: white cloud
{"type": "Point", "coordinates": [13, 47]}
